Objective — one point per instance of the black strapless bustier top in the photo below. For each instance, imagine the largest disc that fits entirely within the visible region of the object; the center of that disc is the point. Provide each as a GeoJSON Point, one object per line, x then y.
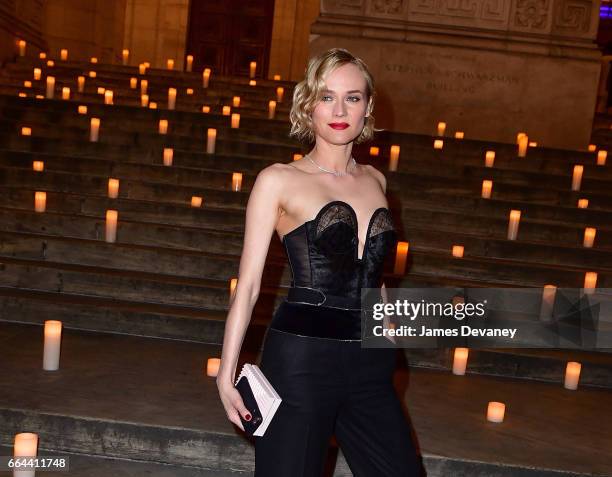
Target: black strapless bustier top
{"type": "Point", "coordinates": [327, 273]}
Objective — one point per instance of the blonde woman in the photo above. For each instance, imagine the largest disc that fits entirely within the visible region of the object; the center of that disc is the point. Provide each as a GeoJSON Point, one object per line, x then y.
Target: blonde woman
{"type": "Point", "coordinates": [332, 217]}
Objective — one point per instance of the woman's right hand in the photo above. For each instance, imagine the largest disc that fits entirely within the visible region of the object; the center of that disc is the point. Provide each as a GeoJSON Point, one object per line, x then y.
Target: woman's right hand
{"type": "Point", "coordinates": [232, 402]}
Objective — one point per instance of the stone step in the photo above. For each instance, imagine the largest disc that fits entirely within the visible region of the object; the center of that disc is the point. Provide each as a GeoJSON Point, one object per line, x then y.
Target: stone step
{"type": "Point", "coordinates": [117, 409]}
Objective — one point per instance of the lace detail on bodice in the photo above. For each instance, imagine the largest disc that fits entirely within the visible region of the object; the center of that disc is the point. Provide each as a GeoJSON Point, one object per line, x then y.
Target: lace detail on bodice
{"type": "Point", "coordinates": [382, 222]}
{"type": "Point", "coordinates": [334, 214]}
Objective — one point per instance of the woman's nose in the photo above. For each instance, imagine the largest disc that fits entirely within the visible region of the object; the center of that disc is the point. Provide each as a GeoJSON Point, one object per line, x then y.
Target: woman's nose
{"type": "Point", "coordinates": [339, 108]}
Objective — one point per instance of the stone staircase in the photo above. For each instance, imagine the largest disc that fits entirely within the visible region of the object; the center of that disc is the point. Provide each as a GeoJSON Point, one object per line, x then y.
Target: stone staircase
{"type": "Point", "coordinates": [156, 299]}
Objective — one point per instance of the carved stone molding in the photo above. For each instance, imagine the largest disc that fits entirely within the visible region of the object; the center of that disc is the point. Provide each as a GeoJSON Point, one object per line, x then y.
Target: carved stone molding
{"type": "Point", "coordinates": [532, 16]}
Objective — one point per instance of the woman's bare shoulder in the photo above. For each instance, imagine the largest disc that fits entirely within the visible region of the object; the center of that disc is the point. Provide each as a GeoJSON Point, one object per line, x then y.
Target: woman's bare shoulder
{"type": "Point", "coordinates": [378, 175]}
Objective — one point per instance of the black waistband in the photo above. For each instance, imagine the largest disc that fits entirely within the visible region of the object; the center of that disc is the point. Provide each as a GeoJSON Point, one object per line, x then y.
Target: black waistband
{"type": "Point", "coordinates": [314, 296]}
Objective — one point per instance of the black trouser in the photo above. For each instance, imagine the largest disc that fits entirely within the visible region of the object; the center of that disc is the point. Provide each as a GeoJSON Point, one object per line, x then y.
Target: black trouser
{"type": "Point", "coordinates": [333, 387]}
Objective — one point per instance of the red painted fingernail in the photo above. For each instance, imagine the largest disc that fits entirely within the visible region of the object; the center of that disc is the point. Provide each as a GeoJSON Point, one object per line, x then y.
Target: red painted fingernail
{"type": "Point", "coordinates": [248, 417]}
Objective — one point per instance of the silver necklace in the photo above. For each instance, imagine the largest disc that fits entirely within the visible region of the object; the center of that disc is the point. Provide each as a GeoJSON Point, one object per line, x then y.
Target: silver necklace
{"type": "Point", "coordinates": [337, 174]}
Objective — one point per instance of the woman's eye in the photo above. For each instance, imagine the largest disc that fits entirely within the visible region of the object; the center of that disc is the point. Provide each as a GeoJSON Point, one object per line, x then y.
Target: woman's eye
{"type": "Point", "coordinates": [324, 98]}
{"type": "Point", "coordinates": [354, 99]}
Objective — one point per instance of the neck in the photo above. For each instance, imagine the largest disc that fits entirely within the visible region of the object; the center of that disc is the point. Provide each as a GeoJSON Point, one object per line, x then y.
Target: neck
{"type": "Point", "coordinates": [332, 157]}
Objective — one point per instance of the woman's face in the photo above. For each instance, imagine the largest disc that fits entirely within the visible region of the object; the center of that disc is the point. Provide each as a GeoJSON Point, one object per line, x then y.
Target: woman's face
{"type": "Point", "coordinates": [339, 116]}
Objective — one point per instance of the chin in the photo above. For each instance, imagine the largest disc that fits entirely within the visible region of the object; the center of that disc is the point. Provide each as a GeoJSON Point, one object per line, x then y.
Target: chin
{"type": "Point", "coordinates": [341, 137]}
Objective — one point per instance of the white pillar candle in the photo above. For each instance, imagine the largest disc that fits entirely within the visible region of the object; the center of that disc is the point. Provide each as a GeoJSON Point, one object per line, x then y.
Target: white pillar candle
{"type": "Point", "coordinates": [277, 77]}
{"type": "Point", "coordinates": [189, 64]}
{"type": "Point", "coordinates": [297, 156]}
{"type": "Point", "coordinates": [50, 63]}
{"type": "Point", "coordinates": [280, 92]}
{"type": "Point", "coordinates": [63, 54]}
{"type": "Point", "coordinates": [438, 143]}
{"type": "Point", "coordinates": [94, 130]}
{"type": "Point", "coordinates": [25, 445]}
{"type": "Point", "coordinates": [26, 131]}
{"type": "Point", "coordinates": [236, 101]}
{"type": "Point", "coordinates": [549, 292]}
{"type": "Point", "coordinates": [519, 136]}
{"type": "Point", "coordinates": [38, 166]}
{"type": "Point", "coordinates": [94, 60]}
{"type": "Point", "coordinates": [163, 126]}
{"type": "Point", "coordinates": [496, 411]}
{"type": "Point", "coordinates": [592, 148]}
{"type": "Point", "coordinates": [271, 109]}
{"type": "Point", "coordinates": [235, 121]}
{"type": "Point", "coordinates": [212, 367]}
{"type": "Point", "coordinates": [168, 156]}
{"type": "Point", "coordinates": [252, 83]}
{"type": "Point", "coordinates": [226, 110]}
{"type": "Point", "coordinates": [92, 74]}
{"type": "Point", "coordinates": [590, 282]}
{"type": "Point", "coordinates": [142, 69]}
{"type": "Point", "coordinates": [460, 361]}
{"type": "Point", "coordinates": [532, 144]}
{"type": "Point", "coordinates": [513, 224]}
{"type": "Point", "coordinates": [401, 257]}
{"type": "Point", "coordinates": [147, 64]}
{"type": "Point", "coordinates": [374, 150]}
{"type": "Point", "coordinates": [252, 69]}
{"type": "Point", "coordinates": [583, 203]}
{"type": "Point", "coordinates": [108, 97]}
{"type": "Point", "coordinates": [487, 186]}
{"type": "Point", "coordinates": [171, 98]}
{"type": "Point", "coordinates": [125, 54]}
{"type": "Point", "coordinates": [457, 251]}
{"type": "Point", "coordinates": [394, 154]}
{"type": "Point", "coordinates": [65, 92]}
{"type": "Point", "coordinates": [601, 158]}
{"type": "Point", "coordinates": [81, 84]}
{"type": "Point", "coordinates": [236, 181]}
{"type": "Point", "coordinates": [50, 87]}
{"type": "Point", "coordinates": [189, 91]}
{"type": "Point", "coordinates": [101, 90]}
{"type": "Point", "coordinates": [489, 158]}
{"type": "Point", "coordinates": [459, 135]}
{"type": "Point", "coordinates": [206, 109]}
{"type": "Point", "coordinates": [589, 236]}
{"type": "Point", "coordinates": [42, 55]}
{"type": "Point", "coordinates": [170, 64]}
{"type": "Point", "coordinates": [211, 139]}
{"type": "Point", "coordinates": [205, 77]}
{"type": "Point", "coordinates": [577, 177]}
{"type": "Point", "coordinates": [144, 84]}
{"type": "Point", "coordinates": [22, 94]}
{"type": "Point", "coordinates": [37, 73]}
{"type": "Point", "coordinates": [27, 84]}
{"type": "Point", "coordinates": [133, 82]}
{"type": "Point", "coordinates": [232, 290]}
{"type": "Point", "coordinates": [53, 338]}
{"type": "Point", "coordinates": [153, 105]}
{"type": "Point", "coordinates": [572, 375]}
{"type": "Point", "coordinates": [82, 109]}
{"type": "Point", "coordinates": [441, 128]}
{"type": "Point", "coordinates": [196, 201]}
{"type": "Point", "coordinates": [40, 201]}
{"type": "Point", "coordinates": [22, 47]}
{"type": "Point", "coordinates": [111, 225]}
{"type": "Point", "coordinates": [144, 100]}
{"type": "Point", "coordinates": [113, 188]}
{"type": "Point", "coordinates": [522, 145]}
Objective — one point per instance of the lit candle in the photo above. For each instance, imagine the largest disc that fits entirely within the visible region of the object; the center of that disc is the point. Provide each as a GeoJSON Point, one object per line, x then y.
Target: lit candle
{"type": "Point", "coordinates": [50, 63]}
{"type": "Point", "coordinates": [522, 145]}
{"type": "Point", "coordinates": [572, 375]}
{"type": "Point", "coordinates": [583, 203]}
{"type": "Point", "coordinates": [101, 90]}
{"type": "Point", "coordinates": [519, 136]}
{"type": "Point", "coordinates": [549, 293]}
{"type": "Point", "coordinates": [252, 69]}
{"type": "Point", "coordinates": [457, 251]}
{"type": "Point", "coordinates": [226, 110]}
{"type": "Point", "coordinates": [26, 131]}
{"type": "Point", "coordinates": [487, 186]}
{"type": "Point", "coordinates": [190, 91]}
{"type": "Point", "coordinates": [93, 74]}
{"type": "Point", "coordinates": [297, 156]}
{"type": "Point", "coordinates": [153, 105]}
{"type": "Point", "coordinates": [189, 65]}
{"type": "Point", "coordinates": [236, 181]}
{"type": "Point", "coordinates": [113, 188]}
{"type": "Point", "coordinates": [81, 83]}
{"type": "Point", "coordinates": [143, 86]}
{"type": "Point", "coordinates": [271, 109]}
{"type": "Point", "coordinates": [94, 59]}
{"type": "Point", "coordinates": [40, 96]}
{"type": "Point", "coordinates": [401, 257]}
{"type": "Point", "coordinates": [142, 69]}
{"type": "Point", "coordinates": [108, 97]}
{"type": "Point", "coordinates": [25, 445]}
{"type": "Point", "coordinates": [233, 283]}
{"type": "Point", "coordinates": [50, 87]}
{"type": "Point", "coordinates": [94, 129]}
{"type": "Point", "coordinates": [280, 92]}
{"type": "Point", "coordinates": [38, 166]}
{"type": "Point", "coordinates": [196, 201]}
{"type": "Point", "coordinates": [42, 55]}
{"type": "Point", "coordinates": [53, 337]}
{"type": "Point", "coordinates": [37, 73]}
{"type": "Point", "coordinates": [374, 151]}
{"type": "Point", "coordinates": [438, 143]}
{"type": "Point", "coordinates": [63, 54]}
{"type": "Point", "coordinates": [133, 82]}
{"type": "Point", "coordinates": [592, 147]}
{"type": "Point", "coordinates": [533, 144]}
{"type": "Point", "coordinates": [211, 140]}
{"type": "Point", "coordinates": [147, 64]}
{"type": "Point", "coordinates": [205, 77]}
{"type": "Point", "coordinates": [277, 77]}
{"type": "Point", "coordinates": [235, 120]}
{"type": "Point", "coordinates": [171, 98]}
{"type": "Point", "coordinates": [40, 201]}
{"type": "Point", "coordinates": [170, 64]}
{"type": "Point", "coordinates": [168, 155]}
{"type": "Point", "coordinates": [394, 154]}
{"type": "Point", "coordinates": [163, 126]}
{"type": "Point", "coordinates": [22, 47]}
{"type": "Point", "coordinates": [459, 135]}
{"type": "Point", "coordinates": [489, 158]}
{"type": "Point", "coordinates": [252, 83]}
{"type": "Point", "coordinates": [496, 411]}
{"type": "Point", "coordinates": [144, 100]}
{"type": "Point", "coordinates": [65, 92]}
{"type": "Point", "coordinates": [212, 367]}
{"type": "Point", "coordinates": [111, 225]}
{"type": "Point", "coordinates": [577, 177]}
{"type": "Point", "coordinates": [206, 109]}
{"type": "Point", "coordinates": [513, 224]}
{"type": "Point", "coordinates": [590, 282]}
{"type": "Point", "coordinates": [27, 84]}
{"type": "Point", "coordinates": [126, 55]}
{"type": "Point", "coordinates": [22, 94]}
{"type": "Point", "coordinates": [589, 236]}
{"type": "Point", "coordinates": [236, 101]}
{"type": "Point", "coordinates": [441, 128]}
{"type": "Point", "coordinates": [460, 361]}
{"type": "Point", "coordinates": [601, 158]}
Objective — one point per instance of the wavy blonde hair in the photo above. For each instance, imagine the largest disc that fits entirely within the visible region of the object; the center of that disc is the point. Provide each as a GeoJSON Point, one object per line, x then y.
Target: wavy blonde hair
{"type": "Point", "coordinates": [309, 91]}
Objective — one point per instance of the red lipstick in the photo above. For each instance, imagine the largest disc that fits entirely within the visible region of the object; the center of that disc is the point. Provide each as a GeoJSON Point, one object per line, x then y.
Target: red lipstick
{"type": "Point", "coordinates": [339, 125]}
